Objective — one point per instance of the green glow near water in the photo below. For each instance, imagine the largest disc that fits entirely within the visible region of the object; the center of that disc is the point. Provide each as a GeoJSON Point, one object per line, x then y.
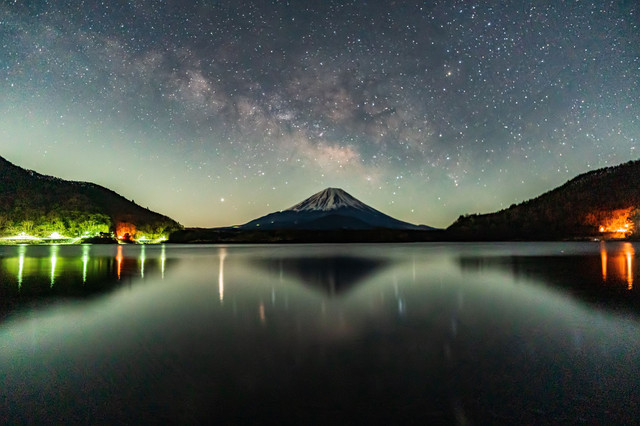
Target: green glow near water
{"type": "Point", "coordinates": [57, 238]}
{"type": "Point", "coordinates": [54, 260]}
{"type": "Point", "coordinates": [163, 259]}
{"type": "Point", "coordinates": [85, 260]}
{"type": "Point", "coordinates": [142, 259]}
{"type": "Point", "coordinates": [21, 252]}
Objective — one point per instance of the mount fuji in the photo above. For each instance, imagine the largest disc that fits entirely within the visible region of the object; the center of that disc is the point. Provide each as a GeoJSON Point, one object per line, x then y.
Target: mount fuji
{"type": "Point", "coordinates": [330, 209]}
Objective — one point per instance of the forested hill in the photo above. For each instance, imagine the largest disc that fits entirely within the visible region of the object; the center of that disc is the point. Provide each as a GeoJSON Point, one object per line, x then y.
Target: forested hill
{"type": "Point", "coordinates": [603, 202]}
{"type": "Point", "coordinates": [41, 205]}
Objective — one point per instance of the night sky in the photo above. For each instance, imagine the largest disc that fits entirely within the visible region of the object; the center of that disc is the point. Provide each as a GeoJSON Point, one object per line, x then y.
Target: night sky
{"type": "Point", "coordinates": [217, 112]}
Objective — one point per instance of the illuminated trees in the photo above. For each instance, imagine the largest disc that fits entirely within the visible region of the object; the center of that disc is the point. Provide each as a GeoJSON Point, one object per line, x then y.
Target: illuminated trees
{"type": "Point", "coordinates": [27, 226]}
{"type": "Point", "coordinates": [41, 205]}
{"type": "Point", "coordinates": [126, 231]}
{"type": "Point", "coordinates": [601, 203]}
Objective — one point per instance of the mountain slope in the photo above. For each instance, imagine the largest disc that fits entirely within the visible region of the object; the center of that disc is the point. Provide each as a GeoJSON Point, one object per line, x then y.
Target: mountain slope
{"type": "Point", "coordinates": [38, 204]}
{"type": "Point", "coordinates": [602, 202]}
{"type": "Point", "coordinates": [331, 199]}
{"type": "Point", "coordinates": [329, 209]}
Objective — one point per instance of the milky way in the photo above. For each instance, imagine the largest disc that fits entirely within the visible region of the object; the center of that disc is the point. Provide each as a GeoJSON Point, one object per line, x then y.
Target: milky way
{"type": "Point", "coordinates": [216, 112]}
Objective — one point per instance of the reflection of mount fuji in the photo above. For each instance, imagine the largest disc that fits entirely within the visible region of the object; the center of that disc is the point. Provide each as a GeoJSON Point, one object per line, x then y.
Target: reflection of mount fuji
{"type": "Point", "coordinates": [331, 275]}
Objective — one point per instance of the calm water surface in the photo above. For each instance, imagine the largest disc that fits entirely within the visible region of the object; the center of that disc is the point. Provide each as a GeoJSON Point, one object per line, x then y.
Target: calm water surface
{"type": "Point", "coordinates": [452, 333]}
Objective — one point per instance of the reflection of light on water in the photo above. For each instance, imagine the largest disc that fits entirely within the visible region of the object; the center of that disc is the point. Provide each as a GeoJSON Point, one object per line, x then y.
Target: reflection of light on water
{"type": "Point", "coordinates": [85, 261]}
{"type": "Point", "coordinates": [401, 308]}
{"type": "Point", "coordinates": [603, 259]}
{"type": "Point", "coordinates": [22, 249]}
{"type": "Point", "coordinates": [119, 260]}
{"type": "Point", "coordinates": [163, 259]}
{"type": "Point", "coordinates": [54, 260]}
{"type": "Point", "coordinates": [142, 259]}
{"type": "Point", "coordinates": [414, 269]}
{"type": "Point", "coordinates": [622, 261]}
{"type": "Point", "coordinates": [629, 252]}
{"type": "Point", "coordinates": [223, 254]}
{"type": "Point", "coordinates": [263, 317]}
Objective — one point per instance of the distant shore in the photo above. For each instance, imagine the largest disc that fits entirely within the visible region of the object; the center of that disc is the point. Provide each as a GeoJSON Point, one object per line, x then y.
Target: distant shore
{"type": "Point", "coordinates": [334, 236]}
{"type": "Point", "coordinates": [237, 236]}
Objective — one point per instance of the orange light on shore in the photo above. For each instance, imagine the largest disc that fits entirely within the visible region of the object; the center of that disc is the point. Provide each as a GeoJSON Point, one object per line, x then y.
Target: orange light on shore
{"type": "Point", "coordinates": [616, 222]}
{"type": "Point", "coordinates": [125, 230]}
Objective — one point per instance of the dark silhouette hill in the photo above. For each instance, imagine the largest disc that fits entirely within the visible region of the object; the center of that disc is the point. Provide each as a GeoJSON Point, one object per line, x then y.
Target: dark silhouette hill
{"type": "Point", "coordinates": [600, 203]}
{"type": "Point", "coordinates": [37, 204]}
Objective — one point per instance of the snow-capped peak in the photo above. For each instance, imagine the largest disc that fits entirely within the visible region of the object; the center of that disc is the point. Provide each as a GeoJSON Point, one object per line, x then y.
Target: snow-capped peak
{"type": "Point", "coordinates": [329, 199]}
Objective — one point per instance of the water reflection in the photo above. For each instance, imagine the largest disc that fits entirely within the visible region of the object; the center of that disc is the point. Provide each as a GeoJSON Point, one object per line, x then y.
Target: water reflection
{"type": "Point", "coordinates": [54, 260]}
{"type": "Point", "coordinates": [629, 255]}
{"type": "Point", "coordinates": [28, 272]}
{"type": "Point", "coordinates": [21, 252]}
{"type": "Point", "coordinates": [389, 334]}
{"type": "Point", "coordinates": [603, 259]}
{"type": "Point", "coordinates": [222, 255]}
{"type": "Point", "coordinates": [623, 257]}
{"type": "Point", "coordinates": [261, 313]}
{"type": "Point", "coordinates": [119, 259]}
{"type": "Point", "coordinates": [142, 259]}
{"type": "Point", "coordinates": [62, 267]}
{"type": "Point", "coordinates": [605, 277]}
{"type": "Point", "coordinates": [85, 261]}
{"type": "Point", "coordinates": [332, 274]}
{"type": "Point", "coordinates": [163, 259]}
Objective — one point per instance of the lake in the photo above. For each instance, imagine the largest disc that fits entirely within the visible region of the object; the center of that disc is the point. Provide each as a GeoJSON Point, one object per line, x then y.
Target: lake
{"type": "Point", "coordinates": [317, 334]}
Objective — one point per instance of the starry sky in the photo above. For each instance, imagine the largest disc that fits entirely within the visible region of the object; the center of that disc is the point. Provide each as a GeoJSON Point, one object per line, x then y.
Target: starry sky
{"type": "Point", "coordinates": [217, 112]}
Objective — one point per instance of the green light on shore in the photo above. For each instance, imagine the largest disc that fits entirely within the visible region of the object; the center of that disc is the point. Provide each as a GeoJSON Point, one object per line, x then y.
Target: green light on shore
{"type": "Point", "coordinates": [59, 238]}
{"type": "Point", "coordinates": [21, 237]}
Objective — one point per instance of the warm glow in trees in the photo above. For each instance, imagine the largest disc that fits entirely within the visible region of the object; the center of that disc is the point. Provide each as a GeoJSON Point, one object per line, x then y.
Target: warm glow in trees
{"type": "Point", "coordinates": [618, 222]}
{"type": "Point", "coordinates": [125, 230]}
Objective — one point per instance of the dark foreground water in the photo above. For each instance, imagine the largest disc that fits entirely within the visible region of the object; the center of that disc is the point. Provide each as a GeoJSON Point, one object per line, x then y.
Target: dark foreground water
{"type": "Point", "coordinates": [321, 334]}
